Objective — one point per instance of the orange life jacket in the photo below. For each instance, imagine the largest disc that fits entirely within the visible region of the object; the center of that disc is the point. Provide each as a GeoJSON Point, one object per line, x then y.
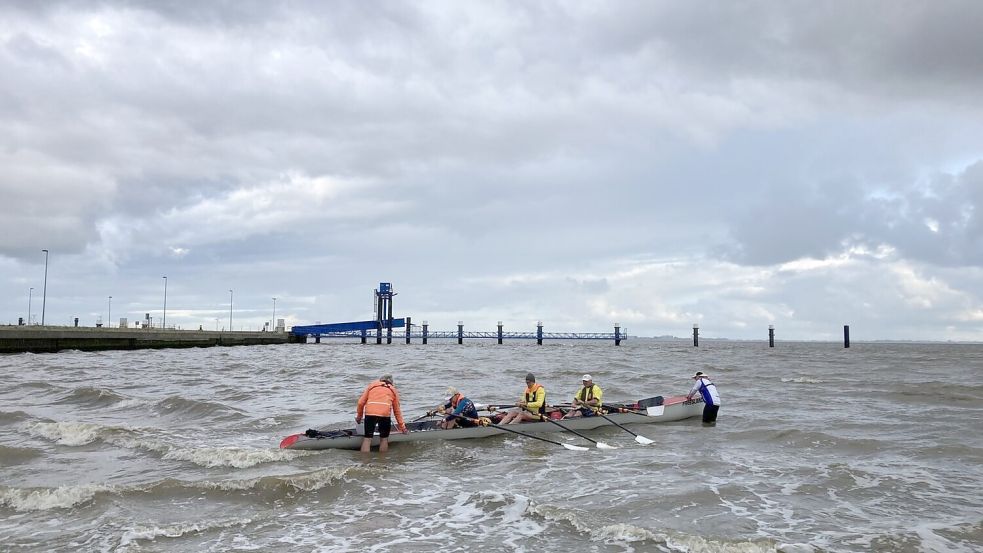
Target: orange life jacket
{"type": "Point", "coordinates": [380, 399]}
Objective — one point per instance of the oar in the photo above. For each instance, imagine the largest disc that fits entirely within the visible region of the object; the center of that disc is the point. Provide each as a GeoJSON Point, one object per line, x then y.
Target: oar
{"type": "Point", "coordinates": [600, 445]}
{"type": "Point", "coordinates": [640, 439]}
{"type": "Point", "coordinates": [571, 447]}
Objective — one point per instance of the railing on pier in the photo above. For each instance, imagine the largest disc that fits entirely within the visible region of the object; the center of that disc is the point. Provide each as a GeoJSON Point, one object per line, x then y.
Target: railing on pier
{"type": "Point", "coordinates": [453, 334]}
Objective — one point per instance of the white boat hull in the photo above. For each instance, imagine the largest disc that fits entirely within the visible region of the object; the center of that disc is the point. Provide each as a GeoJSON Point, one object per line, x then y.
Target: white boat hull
{"type": "Point", "coordinates": [672, 409]}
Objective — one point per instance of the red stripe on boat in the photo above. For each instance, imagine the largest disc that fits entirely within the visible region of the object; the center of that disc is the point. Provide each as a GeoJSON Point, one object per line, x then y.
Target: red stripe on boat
{"type": "Point", "coordinates": [289, 441]}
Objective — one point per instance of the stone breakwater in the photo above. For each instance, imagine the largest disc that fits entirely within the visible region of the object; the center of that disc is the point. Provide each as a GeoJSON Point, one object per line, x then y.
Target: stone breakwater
{"type": "Point", "coordinates": [47, 339]}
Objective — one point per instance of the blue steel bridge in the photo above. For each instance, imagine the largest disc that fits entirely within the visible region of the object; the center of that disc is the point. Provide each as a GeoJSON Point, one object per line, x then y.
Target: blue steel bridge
{"type": "Point", "coordinates": [365, 330]}
{"type": "Point", "coordinates": [384, 323]}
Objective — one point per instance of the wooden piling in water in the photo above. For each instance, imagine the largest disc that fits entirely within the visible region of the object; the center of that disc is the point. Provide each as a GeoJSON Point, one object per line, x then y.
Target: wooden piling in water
{"type": "Point", "coordinates": [846, 336]}
{"type": "Point", "coordinates": [771, 336]}
{"type": "Point", "coordinates": [696, 335]}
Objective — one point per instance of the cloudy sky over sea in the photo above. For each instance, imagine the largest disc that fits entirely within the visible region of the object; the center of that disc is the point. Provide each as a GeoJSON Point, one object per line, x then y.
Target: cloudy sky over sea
{"type": "Point", "coordinates": [658, 164]}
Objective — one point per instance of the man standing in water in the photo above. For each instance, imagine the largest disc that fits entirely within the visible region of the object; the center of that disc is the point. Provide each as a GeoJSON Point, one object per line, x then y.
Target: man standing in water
{"type": "Point", "coordinates": [379, 400]}
{"type": "Point", "coordinates": [711, 399]}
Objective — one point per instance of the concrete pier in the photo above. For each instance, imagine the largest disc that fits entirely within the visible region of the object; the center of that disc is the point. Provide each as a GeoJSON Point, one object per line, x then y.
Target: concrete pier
{"type": "Point", "coordinates": [48, 339]}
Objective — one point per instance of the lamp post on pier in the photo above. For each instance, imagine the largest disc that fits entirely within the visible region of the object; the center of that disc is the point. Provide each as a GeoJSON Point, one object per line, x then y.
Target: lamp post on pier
{"type": "Point", "coordinates": [44, 292]}
{"type": "Point", "coordinates": [164, 324]}
{"type": "Point", "coordinates": [273, 324]}
{"type": "Point", "coordinates": [230, 310]}
{"type": "Point", "coordinates": [30, 296]}
{"type": "Point", "coordinates": [109, 317]}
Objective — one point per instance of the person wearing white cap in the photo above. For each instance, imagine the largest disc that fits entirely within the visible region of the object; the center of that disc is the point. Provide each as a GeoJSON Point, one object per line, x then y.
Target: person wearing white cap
{"type": "Point", "coordinates": [587, 400]}
{"type": "Point", "coordinates": [458, 409]}
{"type": "Point", "coordinates": [711, 398]}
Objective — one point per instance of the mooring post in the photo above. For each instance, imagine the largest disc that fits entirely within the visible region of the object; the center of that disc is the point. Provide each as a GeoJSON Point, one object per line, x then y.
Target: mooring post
{"type": "Point", "coordinates": [317, 338]}
{"type": "Point", "coordinates": [846, 336]}
{"type": "Point", "coordinates": [617, 334]}
{"type": "Point", "coordinates": [499, 332]}
{"type": "Point", "coordinates": [539, 333]}
{"type": "Point", "coordinates": [771, 336]}
{"type": "Point", "coordinates": [378, 330]}
{"type": "Point", "coordinates": [460, 332]}
{"type": "Point", "coordinates": [425, 332]}
{"type": "Point", "coordinates": [696, 335]}
{"type": "Point", "coordinates": [408, 328]}
{"type": "Point", "coordinates": [364, 334]}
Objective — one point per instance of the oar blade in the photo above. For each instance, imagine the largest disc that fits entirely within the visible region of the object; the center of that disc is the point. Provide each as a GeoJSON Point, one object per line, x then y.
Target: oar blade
{"type": "Point", "coordinates": [602, 445]}
{"type": "Point", "coordinates": [572, 447]}
{"type": "Point", "coordinates": [643, 440]}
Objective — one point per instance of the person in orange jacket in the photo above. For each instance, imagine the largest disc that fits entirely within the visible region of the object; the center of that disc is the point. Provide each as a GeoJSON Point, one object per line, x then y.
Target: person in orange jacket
{"type": "Point", "coordinates": [378, 401]}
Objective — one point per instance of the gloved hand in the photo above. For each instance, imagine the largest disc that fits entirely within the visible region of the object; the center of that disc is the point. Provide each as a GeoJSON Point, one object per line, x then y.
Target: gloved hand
{"type": "Point", "coordinates": [358, 420]}
{"type": "Point", "coordinates": [403, 429]}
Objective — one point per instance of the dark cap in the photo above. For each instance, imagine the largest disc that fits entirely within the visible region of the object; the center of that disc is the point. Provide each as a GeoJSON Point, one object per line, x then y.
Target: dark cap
{"type": "Point", "coordinates": [530, 377]}
{"type": "Point", "coordinates": [699, 374]}
{"type": "Point", "coordinates": [386, 378]}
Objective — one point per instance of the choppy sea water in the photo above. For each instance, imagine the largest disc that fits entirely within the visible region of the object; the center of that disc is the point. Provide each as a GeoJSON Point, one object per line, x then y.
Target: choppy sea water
{"type": "Point", "coordinates": [817, 448]}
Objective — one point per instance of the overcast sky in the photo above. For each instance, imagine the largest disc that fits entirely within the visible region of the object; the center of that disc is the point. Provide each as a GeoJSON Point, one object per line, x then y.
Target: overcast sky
{"type": "Point", "coordinates": [732, 164]}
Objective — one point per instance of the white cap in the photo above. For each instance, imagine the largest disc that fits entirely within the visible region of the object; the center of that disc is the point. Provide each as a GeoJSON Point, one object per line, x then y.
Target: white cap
{"type": "Point", "coordinates": [587, 378]}
{"type": "Point", "coordinates": [451, 391]}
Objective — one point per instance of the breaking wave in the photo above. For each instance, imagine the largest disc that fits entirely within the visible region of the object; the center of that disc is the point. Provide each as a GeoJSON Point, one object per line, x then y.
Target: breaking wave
{"type": "Point", "coordinates": [43, 499]}
{"type": "Point", "coordinates": [65, 497]}
{"type": "Point", "coordinates": [142, 532]}
{"type": "Point", "coordinates": [83, 433]}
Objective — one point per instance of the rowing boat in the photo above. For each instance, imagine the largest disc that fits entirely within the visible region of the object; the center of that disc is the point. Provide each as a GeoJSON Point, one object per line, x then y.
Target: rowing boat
{"type": "Point", "coordinates": [645, 411]}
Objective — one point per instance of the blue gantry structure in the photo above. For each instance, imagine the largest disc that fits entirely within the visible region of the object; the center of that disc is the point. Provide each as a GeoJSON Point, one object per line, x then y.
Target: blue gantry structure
{"type": "Point", "coordinates": [384, 324]}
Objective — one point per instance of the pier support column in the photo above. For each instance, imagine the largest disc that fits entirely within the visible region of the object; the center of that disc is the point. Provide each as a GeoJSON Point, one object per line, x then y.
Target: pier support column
{"type": "Point", "coordinates": [317, 338]}
{"type": "Point", "coordinates": [460, 332]}
{"type": "Point", "coordinates": [771, 336]}
{"type": "Point", "coordinates": [617, 334]}
{"type": "Point", "coordinates": [378, 332]}
{"type": "Point", "coordinates": [409, 329]}
{"type": "Point", "coordinates": [364, 335]}
{"type": "Point", "coordinates": [846, 336]}
{"type": "Point", "coordinates": [539, 333]}
{"type": "Point", "coordinates": [389, 325]}
{"type": "Point", "coordinates": [425, 332]}
{"type": "Point", "coordinates": [696, 335]}
{"type": "Point", "coordinates": [499, 332]}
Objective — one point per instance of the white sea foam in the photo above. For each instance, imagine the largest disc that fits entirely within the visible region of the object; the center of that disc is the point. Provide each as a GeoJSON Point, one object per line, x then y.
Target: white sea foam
{"type": "Point", "coordinates": [230, 456]}
{"type": "Point", "coordinates": [67, 433]}
{"type": "Point", "coordinates": [308, 481]}
{"type": "Point", "coordinates": [804, 380]}
{"type": "Point", "coordinates": [141, 532]}
{"type": "Point", "coordinates": [43, 499]}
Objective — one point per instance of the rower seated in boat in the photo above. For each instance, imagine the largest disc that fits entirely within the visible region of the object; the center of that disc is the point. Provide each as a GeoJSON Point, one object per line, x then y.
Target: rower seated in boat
{"type": "Point", "coordinates": [532, 406]}
{"type": "Point", "coordinates": [459, 409]}
{"type": "Point", "coordinates": [587, 401]}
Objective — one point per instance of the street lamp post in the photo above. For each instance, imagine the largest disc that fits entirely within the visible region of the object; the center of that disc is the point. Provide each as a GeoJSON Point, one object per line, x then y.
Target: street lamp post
{"type": "Point", "coordinates": [44, 292]}
{"type": "Point", "coordinates": [274, 314]}
{"type": "Point", "coordinates": [30, 296]}
{"type": "Point", "coordinates": [230, 310]}
{"type": "Point", "coordinates": [164, 324]}
{"type": "Point", "coordinates": [109, 318]}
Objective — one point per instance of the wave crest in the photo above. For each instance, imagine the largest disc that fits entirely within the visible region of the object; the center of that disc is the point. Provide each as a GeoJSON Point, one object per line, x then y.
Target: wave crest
{"type": "Point", "coordinates": [43, 499]}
